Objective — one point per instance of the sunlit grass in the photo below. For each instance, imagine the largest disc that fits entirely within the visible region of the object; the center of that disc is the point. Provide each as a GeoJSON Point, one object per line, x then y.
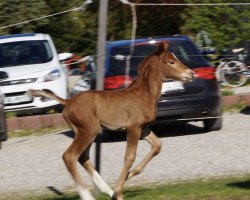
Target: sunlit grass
{"type": "Point", "coordinates": [37, 132]}
{"type": "Point", "coordinates": [227, 92]}
{"type": "Point", "coordinates": [215, 189]}
{"type": "Point", "coordinates": [234, 108]}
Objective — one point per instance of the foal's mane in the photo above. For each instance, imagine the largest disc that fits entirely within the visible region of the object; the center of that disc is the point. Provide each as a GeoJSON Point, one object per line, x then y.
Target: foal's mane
{"type": "Point", "coordinates": [143, 68]}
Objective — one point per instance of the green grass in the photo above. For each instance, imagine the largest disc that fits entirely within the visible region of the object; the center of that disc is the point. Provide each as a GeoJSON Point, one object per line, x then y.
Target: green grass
{"type": "Point", "coordinates": [248, 82]}
{"type": "Point", "coordinates": [215, 189]}
{"type": "Point", "coordinates": [234, 108]}
{"type": "Point", "coordinates": [10, 115]}
{"type": "Point", "coordinates": [227, 92]}
{"type": "Point", "coordinates": [36, 132]}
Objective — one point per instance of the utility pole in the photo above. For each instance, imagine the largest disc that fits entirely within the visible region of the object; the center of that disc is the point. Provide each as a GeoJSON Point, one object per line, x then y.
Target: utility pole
{"type": "Point", "coordinates": [101, 52]}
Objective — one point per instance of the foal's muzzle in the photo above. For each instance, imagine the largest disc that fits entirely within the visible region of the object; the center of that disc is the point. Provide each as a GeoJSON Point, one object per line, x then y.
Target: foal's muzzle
{"type": "Point", "coordinates": [189, 75]}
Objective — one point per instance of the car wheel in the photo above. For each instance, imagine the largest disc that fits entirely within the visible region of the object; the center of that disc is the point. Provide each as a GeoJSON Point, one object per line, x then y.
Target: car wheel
{"type": "Point", "coordinates": [213, 124]}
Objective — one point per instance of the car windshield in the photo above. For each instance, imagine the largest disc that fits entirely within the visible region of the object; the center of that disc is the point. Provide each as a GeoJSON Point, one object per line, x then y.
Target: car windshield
{"type": "Point", "coordinates": [24, 53]}
{"type": "Point", "coordinates": [185, 51]}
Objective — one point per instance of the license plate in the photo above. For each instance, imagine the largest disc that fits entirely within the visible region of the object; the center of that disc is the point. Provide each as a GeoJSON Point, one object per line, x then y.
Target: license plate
{"type": "Point", "coordinates": [172, 86]}
{"type": "Point", "coordinates": [17, 99]}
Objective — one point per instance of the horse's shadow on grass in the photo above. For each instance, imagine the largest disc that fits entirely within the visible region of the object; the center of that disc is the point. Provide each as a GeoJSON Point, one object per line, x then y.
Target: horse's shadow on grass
{"type": "Point", "coordinates": [240, 184]}
{"type": "Point", "coordinates": [166, 130]}
{"type": "Point", "coordinates": [134, 193]}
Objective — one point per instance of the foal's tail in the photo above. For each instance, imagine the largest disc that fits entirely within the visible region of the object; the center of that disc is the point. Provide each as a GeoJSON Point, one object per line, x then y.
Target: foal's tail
{"type": "Point", "coordinates": [42, 93]}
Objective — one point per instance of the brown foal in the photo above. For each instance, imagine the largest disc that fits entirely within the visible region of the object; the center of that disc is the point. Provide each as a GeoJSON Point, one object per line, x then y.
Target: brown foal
{"type": "Point", "coordinates": [129, 109]}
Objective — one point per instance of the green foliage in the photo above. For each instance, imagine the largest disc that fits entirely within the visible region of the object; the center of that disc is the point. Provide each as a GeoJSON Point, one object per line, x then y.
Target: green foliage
{"type": "Point", "coordinates": [235, 108]}
{"type": "Point", "coordinates": [227, 25]}
{"type": "Point", "coordinates": [76, 31]}
{"type": "Point", "coordinates": [15, 11]}
{"type": "Point", "coordinates": [37, 132]}
{"type": "Point", "coordinates": [227, 92]}
{"type": "Point", "coordinates": [10, 115]}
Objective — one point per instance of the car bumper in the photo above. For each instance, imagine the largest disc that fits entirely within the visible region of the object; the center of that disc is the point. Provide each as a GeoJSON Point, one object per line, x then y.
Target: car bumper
{"type": "Point", "coordinates": [189, 109]}
{"type": "Point", "coordinates": [36, 104]}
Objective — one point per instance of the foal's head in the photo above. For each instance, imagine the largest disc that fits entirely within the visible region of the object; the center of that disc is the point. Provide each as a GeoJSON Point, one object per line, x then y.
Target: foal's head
{"type": "Point", "coordinates": [171, 67]}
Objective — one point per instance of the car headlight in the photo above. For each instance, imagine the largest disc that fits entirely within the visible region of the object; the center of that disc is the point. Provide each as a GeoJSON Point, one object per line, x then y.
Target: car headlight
{"type": "Point", "coordinates": [55, 74]}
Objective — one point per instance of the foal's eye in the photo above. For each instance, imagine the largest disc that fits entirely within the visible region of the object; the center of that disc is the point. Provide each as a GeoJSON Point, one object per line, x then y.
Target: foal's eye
{"type": "Point", "coordinates": [171, 62]}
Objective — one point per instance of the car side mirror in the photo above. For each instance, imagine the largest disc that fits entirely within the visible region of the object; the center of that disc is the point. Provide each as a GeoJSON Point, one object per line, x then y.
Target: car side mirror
{"type": "Point", "coordinates": [64, 56]}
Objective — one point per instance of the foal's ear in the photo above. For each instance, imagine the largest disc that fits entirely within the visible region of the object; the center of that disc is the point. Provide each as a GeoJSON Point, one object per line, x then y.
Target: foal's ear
{"type": "Point", "coordinates": [162, 47]}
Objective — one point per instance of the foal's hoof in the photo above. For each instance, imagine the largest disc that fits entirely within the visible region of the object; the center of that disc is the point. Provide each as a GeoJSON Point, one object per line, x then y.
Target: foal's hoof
{"type": "Point", "coordinates": [113, 197]}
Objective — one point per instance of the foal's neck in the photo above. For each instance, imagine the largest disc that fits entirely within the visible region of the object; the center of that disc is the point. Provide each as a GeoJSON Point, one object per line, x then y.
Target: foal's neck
{"type": "Point", "coordinates": [154, 81]}
{"type": "Point", "coordinates": [149, 84]}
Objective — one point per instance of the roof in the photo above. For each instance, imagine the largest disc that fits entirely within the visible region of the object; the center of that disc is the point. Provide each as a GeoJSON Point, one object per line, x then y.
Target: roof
{"type": "Point", "coordinates": [137, 41]}
{"type": "Point", "coordinates": [23, 37]}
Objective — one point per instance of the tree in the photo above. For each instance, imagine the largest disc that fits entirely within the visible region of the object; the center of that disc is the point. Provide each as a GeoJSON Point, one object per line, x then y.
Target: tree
{"type": "Point", "coordinates": [159, 20]}
{"type": "Point", "coordinates": [66, 28]}
{"type": "Point", "coordinates": [15, 11]}
{"type": "Point", "coordinates": [227, 25]}
{"type": "Point", "coordinates": [76, 31]}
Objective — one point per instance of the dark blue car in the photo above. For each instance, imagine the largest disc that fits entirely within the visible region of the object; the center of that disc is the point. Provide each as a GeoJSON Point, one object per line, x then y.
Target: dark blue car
{"type": "Point", "coordinates": [198, 100]}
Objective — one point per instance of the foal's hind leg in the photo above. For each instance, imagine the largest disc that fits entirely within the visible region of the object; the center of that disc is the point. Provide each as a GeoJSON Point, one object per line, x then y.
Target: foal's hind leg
{"type": "Point", "coordinates": [80, 143]}
{"type": "Point", "coordinates": [155, 149]}
{"type": "Point", "coordinates": [97, 179]}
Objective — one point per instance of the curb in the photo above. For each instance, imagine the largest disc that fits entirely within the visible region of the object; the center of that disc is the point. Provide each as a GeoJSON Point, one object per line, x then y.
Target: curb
{"type": "Point", "coordinates": [35, 122]}
{"type": "Point", "coordinates": [56, 120]}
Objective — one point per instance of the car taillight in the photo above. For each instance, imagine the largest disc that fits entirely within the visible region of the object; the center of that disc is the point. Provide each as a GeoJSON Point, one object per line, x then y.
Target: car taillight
{"type": "Point", "coordinates": [205, 72]}
{"type": "Point", "coordinates": [116, 82]}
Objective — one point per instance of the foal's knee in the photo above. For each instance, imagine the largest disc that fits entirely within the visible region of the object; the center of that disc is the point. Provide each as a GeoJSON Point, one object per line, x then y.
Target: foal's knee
{"type": "Point", "coordinates": [68, 160]}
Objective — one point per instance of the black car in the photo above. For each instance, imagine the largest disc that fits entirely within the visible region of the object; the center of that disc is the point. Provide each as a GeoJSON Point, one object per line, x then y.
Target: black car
{"type": "Point", "coordinates": [3, 128]}
{"type": "Point", "coordinates": [198, 100]}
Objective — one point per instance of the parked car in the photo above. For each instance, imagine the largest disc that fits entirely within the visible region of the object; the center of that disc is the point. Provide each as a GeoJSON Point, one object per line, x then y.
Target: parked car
{"type": "Point", "coordinates": [30, 61]}
{"type": "Point", "coordinates": [3, 127]}
{"type": "Point", "coordinates": [190, 101]}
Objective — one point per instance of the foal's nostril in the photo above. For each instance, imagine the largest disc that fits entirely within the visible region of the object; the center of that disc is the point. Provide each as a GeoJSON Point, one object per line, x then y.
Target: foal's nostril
{"type": "Point", "coordinates": [192, 73]}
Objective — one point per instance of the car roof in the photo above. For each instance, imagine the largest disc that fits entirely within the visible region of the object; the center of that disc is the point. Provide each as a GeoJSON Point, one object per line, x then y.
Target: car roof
{"type": "Point", "coordinates": [119, 43]}
{"type": "Point", "coordinates": [23, 37]}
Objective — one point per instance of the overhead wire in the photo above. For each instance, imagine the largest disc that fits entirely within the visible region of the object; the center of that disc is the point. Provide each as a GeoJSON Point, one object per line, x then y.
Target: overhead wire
{"type": "Point", "coordinates": [134, 18]}
{"type": "Point", "coordinates": [82, 7]}
{"type": "Point", "coordinates": [184, 4]}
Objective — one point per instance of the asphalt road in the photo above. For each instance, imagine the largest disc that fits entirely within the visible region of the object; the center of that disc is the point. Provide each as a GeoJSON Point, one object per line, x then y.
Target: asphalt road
{"type": "Point", "coordinates": [32, 165]}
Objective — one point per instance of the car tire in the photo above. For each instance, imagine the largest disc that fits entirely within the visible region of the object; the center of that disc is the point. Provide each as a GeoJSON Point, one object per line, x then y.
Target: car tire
{"type": "Point", "coordinates": [213, 124]}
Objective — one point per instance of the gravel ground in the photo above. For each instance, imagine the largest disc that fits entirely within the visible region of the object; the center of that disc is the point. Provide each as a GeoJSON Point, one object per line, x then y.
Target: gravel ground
{"type": "Point", "coordinates": [33, 165]}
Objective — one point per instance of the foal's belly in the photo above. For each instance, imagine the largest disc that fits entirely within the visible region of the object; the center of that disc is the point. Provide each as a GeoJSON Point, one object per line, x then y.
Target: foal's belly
{"type": "Point", "coordinates": [113, 126]}
{"type": "Point", "coordinates": [115, 121]}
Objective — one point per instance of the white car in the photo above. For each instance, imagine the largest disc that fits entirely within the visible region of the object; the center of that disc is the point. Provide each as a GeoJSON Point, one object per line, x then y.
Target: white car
{"type": "Point", "coordinates": [30, 61]}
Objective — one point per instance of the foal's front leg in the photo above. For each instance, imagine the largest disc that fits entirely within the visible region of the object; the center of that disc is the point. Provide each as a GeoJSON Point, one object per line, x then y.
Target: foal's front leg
{"type": "Point", "coordinates": [155, 150]}
{"type": "Point", "coordinates": [133, 136]}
